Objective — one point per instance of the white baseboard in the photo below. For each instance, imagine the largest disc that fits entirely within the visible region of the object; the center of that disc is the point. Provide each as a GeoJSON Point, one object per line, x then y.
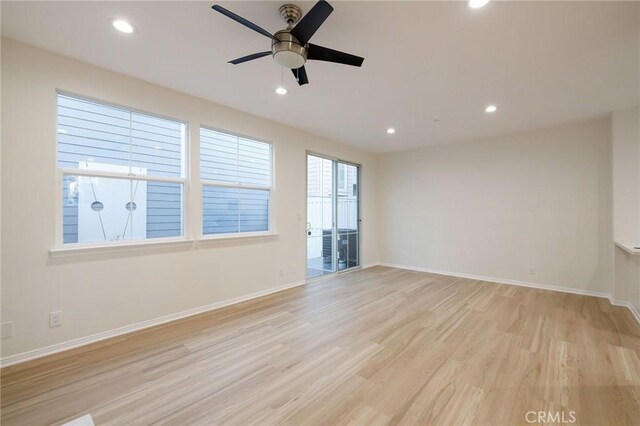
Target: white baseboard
{"type": "Point", "coordinates": [503, 281]}
{"type": "Point", "coordinates": [562, 289]}
{"type": "Point", "coordinates": [75, 343]}
{"type": "Point", "coordinates": [628, 305]}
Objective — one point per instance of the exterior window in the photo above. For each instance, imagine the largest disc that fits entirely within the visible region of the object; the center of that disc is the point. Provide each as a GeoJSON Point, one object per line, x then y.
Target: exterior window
{"type": "Point", "coordinates": [236, 184]}
{"type": "Point", "coordinates": [121, 171]}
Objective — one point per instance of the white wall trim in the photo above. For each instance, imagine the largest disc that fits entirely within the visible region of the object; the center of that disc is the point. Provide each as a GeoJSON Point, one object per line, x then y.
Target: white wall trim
{"type": "Point", "coordinates": [82, 341]}
{"type": "Point", "coordinates": [631, 249]}
{"type": "Point", "coordinates": [503, 281]}
{"type": "Point", "coordinates": [561, 289]}
{"type": "Point", "coordinates": [628, 305]}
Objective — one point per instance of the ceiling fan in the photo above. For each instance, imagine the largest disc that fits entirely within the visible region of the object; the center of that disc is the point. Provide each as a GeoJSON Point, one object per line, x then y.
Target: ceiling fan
{"type": "Point", "coordinates": [290, 47]}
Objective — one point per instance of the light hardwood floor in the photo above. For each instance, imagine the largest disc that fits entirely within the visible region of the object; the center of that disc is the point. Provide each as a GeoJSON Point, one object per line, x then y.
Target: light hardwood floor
{"type": "Point", "coordinates": [377, 346]}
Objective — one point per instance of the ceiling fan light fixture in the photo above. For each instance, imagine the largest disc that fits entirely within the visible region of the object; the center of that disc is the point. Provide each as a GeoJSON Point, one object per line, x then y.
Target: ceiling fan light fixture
{"type": "Point", "coordinates": [289, 59]}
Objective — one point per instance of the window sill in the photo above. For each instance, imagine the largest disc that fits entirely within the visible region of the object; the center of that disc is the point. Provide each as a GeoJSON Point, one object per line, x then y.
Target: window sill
{"type": "Point", "coordinates": [632, 249]}
{"type": "Point", "coordinates": [78, 250]}
{"type": "Point", "coordinates": [238, 236]}
{"type": "Point", "coordinates": [117, 248]}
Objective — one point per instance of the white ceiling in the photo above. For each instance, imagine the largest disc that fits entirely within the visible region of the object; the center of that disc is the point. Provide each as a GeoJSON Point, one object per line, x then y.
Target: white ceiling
{"type": "Point", "coordinates": [542, 63]}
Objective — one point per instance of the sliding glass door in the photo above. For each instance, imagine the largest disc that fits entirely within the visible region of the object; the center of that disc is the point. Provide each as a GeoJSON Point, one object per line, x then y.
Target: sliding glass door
{"type": "Point", "coordinates": [333, 225]}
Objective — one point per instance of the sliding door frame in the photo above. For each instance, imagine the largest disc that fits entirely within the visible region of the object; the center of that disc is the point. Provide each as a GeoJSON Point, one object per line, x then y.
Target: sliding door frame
{"type": "Point", "coordinates": [334, 194]}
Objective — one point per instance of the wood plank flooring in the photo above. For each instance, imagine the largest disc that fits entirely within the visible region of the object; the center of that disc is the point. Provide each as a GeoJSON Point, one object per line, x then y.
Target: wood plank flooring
{"type": "Point", "coordinates": [377, 346]}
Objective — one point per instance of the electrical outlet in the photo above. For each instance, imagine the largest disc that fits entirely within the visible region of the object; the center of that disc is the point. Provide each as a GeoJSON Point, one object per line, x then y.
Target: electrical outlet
{"type": "Point", "coordinates": [6, 329]}
{"type": "Point", "coordinates": [55, 319]}
{"type": "Point", "coordinates": [281, 272]}
{"type": "Point", "coordinates": [532, 270]}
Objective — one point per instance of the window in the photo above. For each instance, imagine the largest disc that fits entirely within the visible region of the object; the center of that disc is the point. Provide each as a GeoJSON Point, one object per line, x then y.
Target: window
{"type": "Point", "coordinates": [121, 172]}
{"type": "Point", "coordinates": [236, 183]}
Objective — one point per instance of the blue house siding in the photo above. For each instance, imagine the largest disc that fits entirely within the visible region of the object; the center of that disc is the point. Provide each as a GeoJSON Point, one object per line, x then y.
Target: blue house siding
{"type": "Point", "coordinates": [164, 209]}
{"type": "Point", "coordinates": [229, 210]}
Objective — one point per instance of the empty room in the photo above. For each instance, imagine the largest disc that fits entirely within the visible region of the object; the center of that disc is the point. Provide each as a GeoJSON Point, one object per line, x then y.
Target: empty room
{"type": "Point", "coordinates": [320, 213]}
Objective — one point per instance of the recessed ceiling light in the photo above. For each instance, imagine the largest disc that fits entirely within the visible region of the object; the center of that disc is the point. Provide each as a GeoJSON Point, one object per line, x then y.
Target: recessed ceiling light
{"type": "Point", "coordinates": [491, 108]}
{"type": "Point", "coordinates": [477, 4]}
{"type": "Point", "coordinates": [281, 90]}
{"type": "Point", "coordinates": [123, 26]}
{"type": "Point", "coordinates": [391, 130]}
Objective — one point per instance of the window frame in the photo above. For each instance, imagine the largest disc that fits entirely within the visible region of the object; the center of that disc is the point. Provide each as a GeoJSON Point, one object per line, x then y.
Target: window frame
{"type": "Point", "coordinates": [220, 184]}
{"type": "Point", "coordinates": [60, 173]}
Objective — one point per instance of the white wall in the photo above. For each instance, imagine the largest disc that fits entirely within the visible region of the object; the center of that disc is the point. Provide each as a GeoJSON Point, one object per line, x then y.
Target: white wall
{"type": "Point", "coordinates": [497, 207]}
{"type": "Point", "coordinates": [102, 292]}
{"type": "Point", "coordinates": [625, 131]}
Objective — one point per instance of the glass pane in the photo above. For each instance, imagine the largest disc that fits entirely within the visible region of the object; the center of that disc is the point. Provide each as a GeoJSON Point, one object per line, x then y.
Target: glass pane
{"type": "Point", "coordinates": [253, 210]}
{"type": "Point", "coordinates": [348, 246]}
{"type": "Point", "coordinates": [228, 158]}
{"type": "Point", "coordinates": [342, 179]}
{"type": "Point", "coordinates": [98, 209]}
{"type": "Point", "coordinates": [231, 210]}
{"type": "Point", "coordinates": [314, 176]}
{"type": "Point", "coordinates": [348, 223]}
{"type": "Point", "coordinates": [89, 132]}
{"type": "Point", "coordinates": [348, 200]}
{"type": "Point", "coordinates": [220, 210]}
{"type": "Point", "coordinates": [218, 156]}
{"type": "Point", "coordinates": [164, 209]}
{"type": "Point", "coordinates": [320, 216]}
{"type": "Point", "coordinates": [156, 145]}
{"type": "Point", "coordinates": [320, 259]}
{"type": "Point", "coordinates": [254, 162]}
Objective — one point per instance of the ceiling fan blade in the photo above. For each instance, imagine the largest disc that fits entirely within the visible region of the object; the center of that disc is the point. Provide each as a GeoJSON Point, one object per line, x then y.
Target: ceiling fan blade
{"type": "Point", "coordinates": [242, 21]}
{"type": "Point", "coordinates": [301, 75]}
{"type": "Point", "coordinates": [310, 22]}
{"type": "Point", "coordinates": [320, 53]}
{"type": "Point", "coordinates": [250, 57]}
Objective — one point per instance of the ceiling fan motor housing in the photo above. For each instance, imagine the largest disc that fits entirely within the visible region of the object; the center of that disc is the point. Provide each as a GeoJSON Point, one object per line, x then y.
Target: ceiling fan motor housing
{"type": "Point", "coordinates": [287, 50]}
